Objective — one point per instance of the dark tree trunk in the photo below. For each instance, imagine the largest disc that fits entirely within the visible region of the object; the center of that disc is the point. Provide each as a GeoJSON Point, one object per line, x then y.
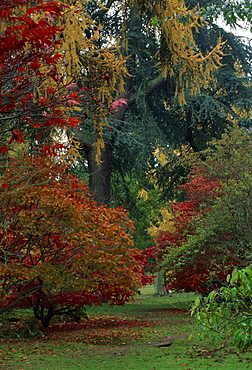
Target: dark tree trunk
{"type": "Point", "coordinates": [44, 315]}
{"type": "Point", "coordinates": [100, 173]}
{"type": "Point", "coordinates": [46, 320]}
{"type": "Point", "coordinates": [190, 136]}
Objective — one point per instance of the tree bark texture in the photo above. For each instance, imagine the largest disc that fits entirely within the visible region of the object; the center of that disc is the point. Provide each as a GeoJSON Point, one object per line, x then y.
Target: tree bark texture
{"type": "Point", "coordinates": [100, 173]}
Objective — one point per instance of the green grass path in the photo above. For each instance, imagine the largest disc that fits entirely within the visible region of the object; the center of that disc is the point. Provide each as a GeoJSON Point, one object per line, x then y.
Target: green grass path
{"type": "Point", "coordinates": [118, 337]}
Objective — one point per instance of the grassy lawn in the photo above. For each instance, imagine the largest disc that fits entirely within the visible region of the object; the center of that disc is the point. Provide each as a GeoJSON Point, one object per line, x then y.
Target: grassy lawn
{"type": "Point", "coordinates": [122, 337]}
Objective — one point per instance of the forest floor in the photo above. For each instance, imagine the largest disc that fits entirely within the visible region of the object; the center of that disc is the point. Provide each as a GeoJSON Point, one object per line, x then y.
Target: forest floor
{"type": "Point", "coordinates": [151, 333]}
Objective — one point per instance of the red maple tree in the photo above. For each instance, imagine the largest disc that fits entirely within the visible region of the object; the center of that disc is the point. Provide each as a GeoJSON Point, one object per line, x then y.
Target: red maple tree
{"type": "Point", "coordinates": [59, 250]}
{"type": "Point", "coordinates": [200, 269]}
{"type": "Point", "coordinates": [28, 58]}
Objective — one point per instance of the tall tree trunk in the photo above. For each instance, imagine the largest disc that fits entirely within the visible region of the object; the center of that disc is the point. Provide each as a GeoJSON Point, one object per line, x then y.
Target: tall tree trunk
{"type": "Point", "coordinates": [159, 284]}
{"type": "Point", "coordinates": [100, 173]}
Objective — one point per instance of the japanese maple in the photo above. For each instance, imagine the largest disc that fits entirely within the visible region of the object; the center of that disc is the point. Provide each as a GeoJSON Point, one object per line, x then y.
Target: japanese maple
{"type": "Point", "coordinates": [212, 228]}
{"type": "Point", "coordinates": [33, 96]}
{"type": "Point", "coordinates": [59, 250]}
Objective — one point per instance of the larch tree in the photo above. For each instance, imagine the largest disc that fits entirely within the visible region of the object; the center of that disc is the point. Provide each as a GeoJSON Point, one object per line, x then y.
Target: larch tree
{"type": "Point", "coordinates": [112, 26]}
{"type": "Point", "coordinates": [158, 70]}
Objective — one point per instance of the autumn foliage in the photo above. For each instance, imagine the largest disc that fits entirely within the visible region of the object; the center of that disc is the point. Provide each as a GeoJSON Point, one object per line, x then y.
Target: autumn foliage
{"type": "Point", "coordinates": [193, 276]}
{"type": "Point", "coordinates": [33, 95]}
{"type": "Point", "coordinates": [210, 232]}
{"type": "Point", "coordinates": [59, 250]}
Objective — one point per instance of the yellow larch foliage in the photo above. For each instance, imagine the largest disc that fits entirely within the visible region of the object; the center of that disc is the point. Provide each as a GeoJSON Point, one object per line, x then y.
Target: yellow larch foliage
{"type": "Point", "coordinates": [166, 158]}
{"type": "Point", "coordinates": [165, 223]}
{"type": "Point", "coordinates": [86, 59]}
{"type": "Point", "coordinates": [160, 155]}
{"type": "Point", "coordinates": [179, 55]}
{"type": "Point", "coordinates": [239, 112]}
{"type": "Point", "coordinates": [142, 193]}
{"type": "Point", "coordinates": [100, 68]}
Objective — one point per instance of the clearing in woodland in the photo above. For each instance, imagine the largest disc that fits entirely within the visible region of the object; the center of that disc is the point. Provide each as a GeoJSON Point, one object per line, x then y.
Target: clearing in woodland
{"type": "Point", "coordinates": [151, 333]}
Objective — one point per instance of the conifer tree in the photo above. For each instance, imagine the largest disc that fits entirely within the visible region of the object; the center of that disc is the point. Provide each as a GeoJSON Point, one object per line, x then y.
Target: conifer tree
{"type": "Point", "coordinates": [181, 66]}
{"type": "Point", "coordinates": [161, 70]}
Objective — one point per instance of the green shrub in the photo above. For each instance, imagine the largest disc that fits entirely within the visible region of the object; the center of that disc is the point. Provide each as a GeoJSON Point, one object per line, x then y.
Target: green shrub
{"type": "Point", "coordinates": [228, 311]}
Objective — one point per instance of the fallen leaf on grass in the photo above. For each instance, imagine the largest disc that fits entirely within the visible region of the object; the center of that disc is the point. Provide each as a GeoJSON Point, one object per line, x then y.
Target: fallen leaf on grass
{"type": "Point", "coordinates": [103, 330]}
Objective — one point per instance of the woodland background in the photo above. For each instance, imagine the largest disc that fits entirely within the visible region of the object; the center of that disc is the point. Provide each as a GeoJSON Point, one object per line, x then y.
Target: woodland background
{"type": "Point", "coordinates": [125, 156]}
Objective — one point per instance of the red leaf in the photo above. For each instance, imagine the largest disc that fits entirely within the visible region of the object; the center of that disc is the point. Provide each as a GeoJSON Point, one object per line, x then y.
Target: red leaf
{"type": "Point", "coordinates": [43, 100]}
{"type": "Point", "coordinates": [34, 64]}
{"type": "Point", "coordinates": [71, 85]}
{"type": "Point", "coordinates": [17, 136]}
{"type": "Point", "coordinates": [51, 150]}
{"type": "Point", "coordinates": [119, 103]}
{"type": "Point", "coordinates": [49, 17]}
{"type": "Point", "coordinates": [73, 102]}
{"type": "Point", "coordinates": [53, 74]}
{"type": "Point", "coordinates": [73, 122]}
{"type": "Point", "coordinates": [4, 149]}
{"type": "Point", "coordinates": [73, 99]}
